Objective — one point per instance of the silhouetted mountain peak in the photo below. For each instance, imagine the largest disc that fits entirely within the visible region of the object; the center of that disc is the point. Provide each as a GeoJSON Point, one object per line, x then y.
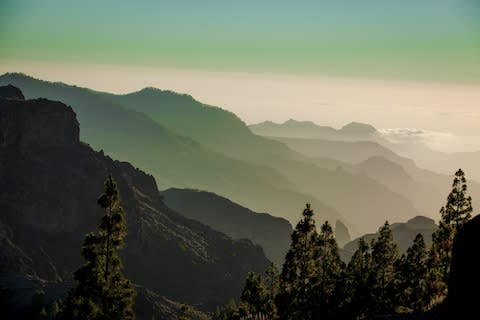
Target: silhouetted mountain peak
{"type": "Point", "coordinates": [293, 122]}
{"type": "Point", "coordinates": [11, 92]}
{"type": "Point", "coordinates": [354, 128]}
{"type": "Point", "coordinates": [37, 123]}
{"type": "Point", "coordinates": [421, 222]}
{"type": "Point", "coordinates": [156, 93]}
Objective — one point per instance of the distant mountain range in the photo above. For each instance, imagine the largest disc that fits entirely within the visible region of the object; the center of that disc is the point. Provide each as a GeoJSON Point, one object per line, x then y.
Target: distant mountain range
{"type": "Point", "coordinates": [426, 189]}
{"type": "Point", "coordinates": [187, 144]}
{"type": "Point", "coordinates": [423, 156]}
{"type": "Point", "coordinates": [308, 129]}
{"type": "Point", "coordinates": [50, 183]}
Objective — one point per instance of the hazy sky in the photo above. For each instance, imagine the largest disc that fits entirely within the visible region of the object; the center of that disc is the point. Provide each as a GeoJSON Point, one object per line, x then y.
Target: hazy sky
{"type": "Point", "coordinates": [406, 64]}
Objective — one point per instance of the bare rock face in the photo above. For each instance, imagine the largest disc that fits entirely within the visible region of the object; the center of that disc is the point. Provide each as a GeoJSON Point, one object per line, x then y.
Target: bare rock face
{"type": "Point", "coordinates": [36, 123]}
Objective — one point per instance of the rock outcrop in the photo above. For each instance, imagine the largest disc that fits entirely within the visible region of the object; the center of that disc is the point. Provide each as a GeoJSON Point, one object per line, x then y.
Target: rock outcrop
{"type": "Point", "coordinates": [11, 92]}
{"type": "Point", "coordinates": [39, 122]}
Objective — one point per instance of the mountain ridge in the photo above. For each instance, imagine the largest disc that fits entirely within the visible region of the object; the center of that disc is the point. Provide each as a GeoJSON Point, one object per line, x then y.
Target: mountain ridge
{"type": "Point", "coordinates": [44, 219]}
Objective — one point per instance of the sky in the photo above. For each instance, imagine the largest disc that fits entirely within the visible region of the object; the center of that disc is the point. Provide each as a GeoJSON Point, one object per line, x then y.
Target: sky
{"type": "Point", "coordinates": [394, 64]}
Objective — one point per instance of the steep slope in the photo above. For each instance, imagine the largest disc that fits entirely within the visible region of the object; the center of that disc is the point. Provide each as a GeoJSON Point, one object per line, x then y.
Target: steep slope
{"type": "Point", "coordinates": [175, 161]}
{"type": "Point", "coordinates": [238, 222]}
{"type": "Point", "coordinates": [214, 127]}
{"type": "Point", "coordinates": [50, 183]}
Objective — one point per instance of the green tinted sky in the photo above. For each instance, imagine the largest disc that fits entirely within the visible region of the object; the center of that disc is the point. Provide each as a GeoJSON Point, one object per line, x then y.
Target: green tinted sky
{"type": "Point", "coordinates": [421, 39]}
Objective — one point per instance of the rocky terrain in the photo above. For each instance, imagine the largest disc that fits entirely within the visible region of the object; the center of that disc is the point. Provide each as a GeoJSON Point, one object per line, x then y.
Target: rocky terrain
{"type": "Point", "coordinates": [50, 182]}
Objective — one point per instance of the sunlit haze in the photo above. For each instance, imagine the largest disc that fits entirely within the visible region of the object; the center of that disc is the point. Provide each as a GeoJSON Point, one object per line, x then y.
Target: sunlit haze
{"type": "Point", "coordinates": [447, 114]}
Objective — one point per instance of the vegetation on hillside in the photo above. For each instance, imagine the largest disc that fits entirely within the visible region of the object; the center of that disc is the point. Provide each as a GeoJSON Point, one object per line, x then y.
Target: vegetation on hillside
{"type": "Point", "coordinates": [314, 283]}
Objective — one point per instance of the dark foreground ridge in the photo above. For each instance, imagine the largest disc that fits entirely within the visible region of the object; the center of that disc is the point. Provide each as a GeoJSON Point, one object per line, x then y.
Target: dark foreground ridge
{"type": "Point", "coordinates": [50, 184]}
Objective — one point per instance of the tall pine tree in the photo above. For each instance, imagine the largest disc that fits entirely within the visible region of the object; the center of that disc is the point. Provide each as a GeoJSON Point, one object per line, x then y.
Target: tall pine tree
{"type": "Point", "coordinates": [384, 258]}
{"type": "Point", "coordinates": [458, 209]}
{"type": "Point", "coordinates": [296, 297]}
{"type": "Point", "coordinates": [329, 274]}
{"type": "Point", "coordinates": [412, 276]}
{"type": "Point", "coordinates": [454, 215]}
{"type": "Point", "coordinates": [103, 292]}
{"type": "Point", "coordinates": [358, 300]}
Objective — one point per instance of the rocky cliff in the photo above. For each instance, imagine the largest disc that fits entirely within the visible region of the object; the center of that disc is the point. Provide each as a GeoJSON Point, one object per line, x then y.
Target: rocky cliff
{"type": "Point", "coordinates": [49, 185]}
{"type": "Point", "coordinates": [38, 122]}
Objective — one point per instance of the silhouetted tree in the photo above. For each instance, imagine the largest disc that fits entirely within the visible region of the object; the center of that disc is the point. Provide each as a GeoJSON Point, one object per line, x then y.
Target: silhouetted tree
{"type": "Point", "coordinates": [329, 270]}
{"type": "Point", "coordinates": [412, 277]}
{"type": "Point", "coordinates": [254, 298]}
{"type": "Point", "coordinates": [454, 215]}
{"type": "Point", "coordinates": [103, 292]}
{"type": "Point", "coordinates": [358, 300]}
{"type": "Point", "coordinates": [384, 257]}
{"type": "Point", "coordinates": [458, 209]}
{"type": "Point", "coordinates": [296, 298]}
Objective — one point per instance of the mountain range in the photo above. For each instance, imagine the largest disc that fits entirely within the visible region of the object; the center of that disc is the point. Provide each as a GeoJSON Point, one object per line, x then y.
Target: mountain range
{"type": "Point", "coordinates": [208, 239]}
{"type": "Point", "coordinates": [415, 149]}
{"type": "Point", "coordinates": [186, 144]}
{"type": "Point", "coordinates": [174, 160]}
{"type": "Point", "coordinates": [426, 189]}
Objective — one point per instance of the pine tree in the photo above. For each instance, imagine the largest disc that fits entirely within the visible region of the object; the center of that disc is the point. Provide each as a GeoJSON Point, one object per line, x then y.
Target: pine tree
{"type": "Point", "coordinates": [458, 209]}
{"type": "Point", "coordinates": [295, 299]}
{"type": "Point", "coordinates": [439, 259]}
{"type": "Point", "coordinates": [384, 257]}
{"type": "Point", "coordinates": [412, 276]}
{"type": "Point", "coordinates": [455, 214]}
{"type": "Point", "coordinates": [358, 301]}
{"type": "Point", "coordinates": [329, 273]}
{"type": "Point", "coordinates": [254, 298]}
{"type": "Point", "coordinates": [103, 292]}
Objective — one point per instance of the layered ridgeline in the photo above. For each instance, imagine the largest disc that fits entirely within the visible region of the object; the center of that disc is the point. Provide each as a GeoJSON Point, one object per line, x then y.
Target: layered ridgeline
{"type": "Point", "coordinates": [238, 222]}
{"type": "Point", "coordinates": [412, 147]}
{"type": "Point", "coordinates": [223, 132]}
{"type": "Point", "coordinates": [174, 160]}
{"type": "Point", "coordinates": [373, 157]}
{"type": "Point", "coordinates": [308, 129]}
{"type": "Point", "coordinates": [50, 184]}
